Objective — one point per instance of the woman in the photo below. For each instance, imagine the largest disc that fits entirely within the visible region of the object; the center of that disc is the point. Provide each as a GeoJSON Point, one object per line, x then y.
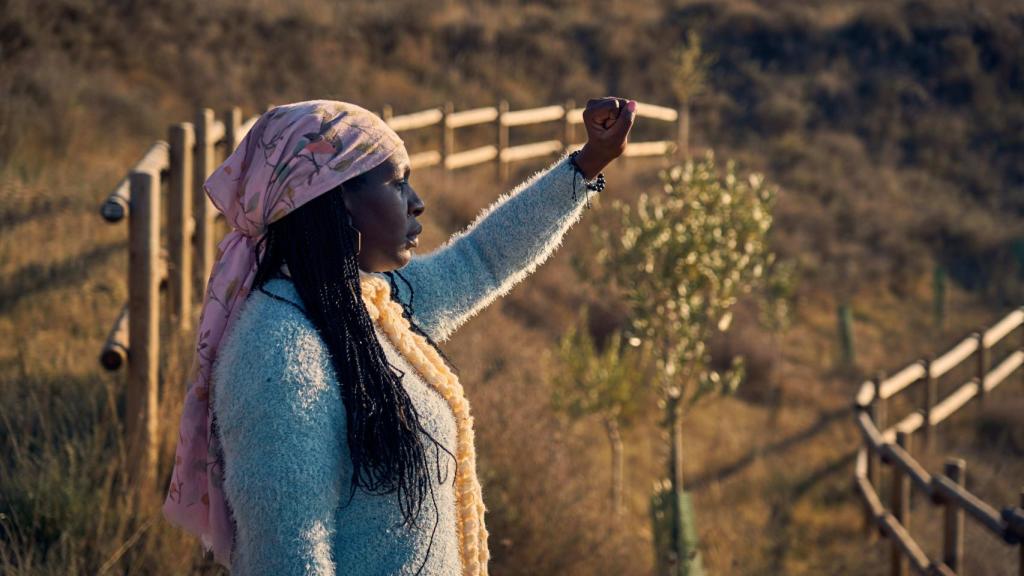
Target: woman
{"type": "Point", "coordinates": [323, 432]}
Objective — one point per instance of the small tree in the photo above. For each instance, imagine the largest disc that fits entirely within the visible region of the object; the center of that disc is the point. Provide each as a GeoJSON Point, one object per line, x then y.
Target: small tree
{"type": "Point", "coordinates": [603, 383]}
{"type": "Point", "coordinates": [690, 65]}
{"type": "Point", "coordinates": [681, 259]}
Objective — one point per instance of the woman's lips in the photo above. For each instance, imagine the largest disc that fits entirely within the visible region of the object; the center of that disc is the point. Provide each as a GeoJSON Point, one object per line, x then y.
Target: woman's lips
{"type": "Point", "coordinates": [413, 239]}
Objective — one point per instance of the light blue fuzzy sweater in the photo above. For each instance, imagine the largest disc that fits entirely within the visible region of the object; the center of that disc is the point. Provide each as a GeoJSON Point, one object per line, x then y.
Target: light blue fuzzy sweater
{"type": "Point", "coordinates": [282, 421]}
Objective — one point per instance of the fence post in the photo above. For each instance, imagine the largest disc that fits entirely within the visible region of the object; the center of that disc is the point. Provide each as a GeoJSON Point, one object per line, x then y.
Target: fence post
{"type": "Point", "coordinates": [982, 366]}
{"type": "Point", "coordinates": [953, 539]}
{"type": "Point", "coordinates": [232, 122]}
{"type": "Point", "coordinates": [502, 166]}
{"type": "Point", "coordinates": [447, 135]}
{"type": "Point", "coordinates": [180, 225]}
{"type": "Point", "coordinates": [141, 424]}
{"type": "Point", "coordinates": [877, 412]}
{"type": "Point", "coordinates": [846, 344]}
{"type": "Point", "coordinates": [900, 504]}
{"type": "Point", "coordinates": [387, 112]}
{"type": "Point", "coordinates": [931, 391]}
{"type": "Point", "coordinates": [569, 129]}
{"type": "Point", "coordinates": [870, 525]}
{"type": "Point", "coordinates": [204, 209]}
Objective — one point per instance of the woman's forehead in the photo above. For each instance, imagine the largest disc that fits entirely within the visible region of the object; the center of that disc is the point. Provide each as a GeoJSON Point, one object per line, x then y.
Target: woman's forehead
{"type": "Point", "coordinates": [395, 166]}
{"type": "Point", "coordinates": [400, 159]}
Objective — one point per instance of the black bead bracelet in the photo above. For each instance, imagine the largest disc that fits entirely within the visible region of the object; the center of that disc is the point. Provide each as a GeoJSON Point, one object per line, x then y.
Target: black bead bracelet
{"type": "Point", "coordinates": [596, 185]}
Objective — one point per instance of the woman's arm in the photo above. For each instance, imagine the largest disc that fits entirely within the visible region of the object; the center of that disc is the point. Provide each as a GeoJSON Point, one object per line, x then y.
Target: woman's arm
{"type": "Point", "coordinates": [505, 243]}
{"type": "Point", "coordinates": [282, 429]}
{"type": "Point", "coordinates": [516, 233]}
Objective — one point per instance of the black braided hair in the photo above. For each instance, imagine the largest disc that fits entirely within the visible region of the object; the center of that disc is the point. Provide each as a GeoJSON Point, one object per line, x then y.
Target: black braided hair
{"type": "Point", "coordinates": [319, 246]}
{"type": "Point", "coordinates": [407, 312]}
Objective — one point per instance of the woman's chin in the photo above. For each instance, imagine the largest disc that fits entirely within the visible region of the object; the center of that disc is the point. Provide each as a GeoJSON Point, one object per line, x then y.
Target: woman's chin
{"type": "Point", "coordinates": [395, 261]}
{"type": "Point", "coordinates": [404, 256]}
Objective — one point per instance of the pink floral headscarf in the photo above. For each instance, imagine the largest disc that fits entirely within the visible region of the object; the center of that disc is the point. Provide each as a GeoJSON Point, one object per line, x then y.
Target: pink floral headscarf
{"type": "Point", "coordinates": [291, 155]}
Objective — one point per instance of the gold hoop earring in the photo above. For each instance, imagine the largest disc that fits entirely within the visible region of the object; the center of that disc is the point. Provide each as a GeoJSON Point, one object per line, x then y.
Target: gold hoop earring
{"type": "Point", "coordinates": [359, 235]}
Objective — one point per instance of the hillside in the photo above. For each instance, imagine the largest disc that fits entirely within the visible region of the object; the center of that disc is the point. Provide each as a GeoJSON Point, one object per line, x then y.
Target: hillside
{"type": "Point", "coordinates": [896, 127]}
{"type": "Point", "coordinates": [896, 130]}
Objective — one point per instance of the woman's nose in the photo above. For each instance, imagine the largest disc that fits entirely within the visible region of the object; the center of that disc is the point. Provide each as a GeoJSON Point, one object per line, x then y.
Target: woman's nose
{"type": "Point", "coordinates": [417, 206]}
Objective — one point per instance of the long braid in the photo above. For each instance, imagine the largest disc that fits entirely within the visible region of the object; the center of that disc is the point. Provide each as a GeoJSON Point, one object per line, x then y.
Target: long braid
{"type": "Point", "coordinates": [387, 452]}
{"type": "Point", "coordinates": [407, 312]}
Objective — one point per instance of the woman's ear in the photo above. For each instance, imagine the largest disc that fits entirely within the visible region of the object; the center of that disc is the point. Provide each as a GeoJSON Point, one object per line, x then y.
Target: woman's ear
{"type": "Point", "coordinates": [346, 193]}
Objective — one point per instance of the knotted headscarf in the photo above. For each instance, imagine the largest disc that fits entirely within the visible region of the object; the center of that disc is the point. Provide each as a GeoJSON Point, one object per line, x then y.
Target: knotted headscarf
{"type": "Point", "coordinates": [291, 155]}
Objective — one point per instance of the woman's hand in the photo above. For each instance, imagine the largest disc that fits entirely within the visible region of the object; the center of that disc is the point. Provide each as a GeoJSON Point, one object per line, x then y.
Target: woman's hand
{"type": "Point", "coordinates": [608, 121]}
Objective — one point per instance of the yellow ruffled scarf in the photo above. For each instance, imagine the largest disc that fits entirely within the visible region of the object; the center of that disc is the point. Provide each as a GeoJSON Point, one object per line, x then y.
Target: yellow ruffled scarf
{"type": "Point", "coordinates": [424, 358]}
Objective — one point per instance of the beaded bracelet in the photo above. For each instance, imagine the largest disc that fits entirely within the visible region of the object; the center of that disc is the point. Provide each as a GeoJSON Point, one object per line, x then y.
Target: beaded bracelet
{"type": "Point", "coordinates": [596, 185]}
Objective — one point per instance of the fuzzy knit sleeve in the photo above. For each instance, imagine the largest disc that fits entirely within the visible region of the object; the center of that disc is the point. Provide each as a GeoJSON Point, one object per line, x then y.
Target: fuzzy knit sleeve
{"type": "Point", "coordinates": [282, 429]}
{"type": "Point", "coordinates": [504, 244]}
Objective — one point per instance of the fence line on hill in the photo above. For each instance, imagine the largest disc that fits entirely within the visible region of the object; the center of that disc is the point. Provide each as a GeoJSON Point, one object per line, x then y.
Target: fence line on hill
{"type": "Point", "coordinates": [892, 446]}
{"type": "Point", "coordinates": [189, 156]}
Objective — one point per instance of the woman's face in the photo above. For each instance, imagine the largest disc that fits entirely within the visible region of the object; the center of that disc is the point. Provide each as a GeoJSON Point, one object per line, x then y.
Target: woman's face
{"type": "Point", "coordinates": [384, 208]}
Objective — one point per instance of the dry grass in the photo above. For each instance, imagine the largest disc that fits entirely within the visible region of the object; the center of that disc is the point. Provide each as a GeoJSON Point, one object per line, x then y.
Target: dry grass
{"type": "Point", "coordinates": [770, 468]}
{"type": "Point", "coordinates": [771, 478]}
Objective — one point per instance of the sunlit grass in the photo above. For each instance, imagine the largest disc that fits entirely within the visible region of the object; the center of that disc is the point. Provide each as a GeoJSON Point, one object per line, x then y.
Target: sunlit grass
{"type": "Point", "coordinates": [767, 468]}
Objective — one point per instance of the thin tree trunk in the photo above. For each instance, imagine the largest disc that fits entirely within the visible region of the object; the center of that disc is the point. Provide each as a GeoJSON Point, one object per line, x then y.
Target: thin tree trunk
{"type": "Point", "coordinates": [676, 453]}
{"type": "Point", "coordinates": [676, 479]}
{"type": "Point", "coordinates": [615, 441]}
{"type": "Point", "coordinates": [674, 392]}
{"type": "Point", "coordinates": [678, 560]}
{"type": "Point", "coordinates": [683, 137]}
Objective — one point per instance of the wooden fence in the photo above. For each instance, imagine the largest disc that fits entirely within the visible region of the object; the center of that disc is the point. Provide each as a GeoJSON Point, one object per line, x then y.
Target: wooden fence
{"type": "Point", "coordinates": [892, 446]}
{"type": "Point", "coordinates": [184, 161]}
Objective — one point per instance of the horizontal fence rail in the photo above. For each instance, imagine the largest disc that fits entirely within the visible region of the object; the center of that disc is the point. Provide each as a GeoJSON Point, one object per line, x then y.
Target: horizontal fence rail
{"type": "Point", "coordinates": [892, 446]}
{"type": "Point", "coordinates": [115, 207]}
{"type": "Point", "coordinates": [184, 161]}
